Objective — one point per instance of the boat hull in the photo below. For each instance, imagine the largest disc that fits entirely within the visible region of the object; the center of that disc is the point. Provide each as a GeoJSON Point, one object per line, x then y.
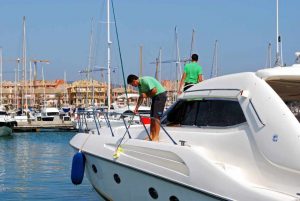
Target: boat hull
{"type": "Point", "coordinates": [143, 169]}
{"type": "Point", "coordinates": [114, 181]}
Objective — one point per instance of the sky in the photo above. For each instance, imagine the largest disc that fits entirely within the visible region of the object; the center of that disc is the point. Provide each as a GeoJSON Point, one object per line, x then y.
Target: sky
{"type": "Point", "coordinates": [60, 31]}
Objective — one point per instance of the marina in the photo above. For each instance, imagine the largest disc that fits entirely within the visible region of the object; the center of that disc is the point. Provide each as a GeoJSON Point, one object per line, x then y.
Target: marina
{"type": "Point", "coordinates": [170, 101]}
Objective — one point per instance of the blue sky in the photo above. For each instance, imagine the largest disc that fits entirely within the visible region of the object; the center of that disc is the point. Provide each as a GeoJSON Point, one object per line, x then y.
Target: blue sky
{"type": "Point", "coordinates": [59, 30]}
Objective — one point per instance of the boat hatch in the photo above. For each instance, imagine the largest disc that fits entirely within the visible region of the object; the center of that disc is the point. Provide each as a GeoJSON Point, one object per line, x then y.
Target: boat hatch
{"type": "Point", "coordinates": [202, 113]}
{"type": "Point", "coordinates": [288, 90]}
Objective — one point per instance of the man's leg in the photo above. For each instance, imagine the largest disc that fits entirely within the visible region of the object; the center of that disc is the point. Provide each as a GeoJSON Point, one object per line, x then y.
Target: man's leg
{"type": "Point", "coordinates": [157, 108]}
{"type": "Point", "coordinates": [155, 136]}
{"type": "Point", "coordinates": [152, 128]}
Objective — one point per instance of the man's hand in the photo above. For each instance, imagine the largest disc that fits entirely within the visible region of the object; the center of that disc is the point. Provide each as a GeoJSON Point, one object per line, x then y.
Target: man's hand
{"type": "Point", "coordinates": [144, 95]}
{"type": "Point", "coordinates": [179, 92]}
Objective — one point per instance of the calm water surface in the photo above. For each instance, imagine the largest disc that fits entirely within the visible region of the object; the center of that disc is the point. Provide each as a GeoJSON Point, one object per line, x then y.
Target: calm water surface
{"type": "Point", "coordinates": [37, 166]}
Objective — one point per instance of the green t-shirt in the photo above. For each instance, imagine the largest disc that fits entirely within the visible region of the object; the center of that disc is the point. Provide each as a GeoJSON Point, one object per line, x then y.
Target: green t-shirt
{"type": "Point", "coordinates": [192, 71]}
{"type": "Point", "coordinates": [148, 83]}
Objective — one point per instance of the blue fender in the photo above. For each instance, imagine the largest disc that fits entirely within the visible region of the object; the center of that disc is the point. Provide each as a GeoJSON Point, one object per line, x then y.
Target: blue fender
{"type": "Point", "coordinates": [78, 165]}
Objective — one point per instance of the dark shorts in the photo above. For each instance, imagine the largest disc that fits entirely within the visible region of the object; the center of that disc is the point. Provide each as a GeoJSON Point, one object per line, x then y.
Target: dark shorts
{"type": "Point", "coordinates": [158, 105]}
{"type": "Point", "coordinates": [187, 85]}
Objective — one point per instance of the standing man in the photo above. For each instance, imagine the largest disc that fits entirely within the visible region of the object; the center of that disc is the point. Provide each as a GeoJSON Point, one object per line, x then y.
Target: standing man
{"type": "Point", "coordinates": [192, 74]}
{"type": "Point", "coordinates": [150, 88]}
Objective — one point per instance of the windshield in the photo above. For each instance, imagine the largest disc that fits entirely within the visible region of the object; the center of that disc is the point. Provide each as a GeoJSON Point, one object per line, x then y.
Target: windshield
{"type": "Point", "coordinates": [204, 113]}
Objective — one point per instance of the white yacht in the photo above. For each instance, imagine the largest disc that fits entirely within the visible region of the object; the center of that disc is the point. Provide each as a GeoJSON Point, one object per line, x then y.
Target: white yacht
{"type": "Point", "coordinates": [6, 123]}
{"type": "Point", "coordinates": [48, 114]}
{"type": "Point", "coordinates": [234, 137]}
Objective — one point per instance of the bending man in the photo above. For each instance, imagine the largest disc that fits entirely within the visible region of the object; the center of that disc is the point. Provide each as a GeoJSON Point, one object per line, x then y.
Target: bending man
{"type": "Point", "coordinates": [149, 87]}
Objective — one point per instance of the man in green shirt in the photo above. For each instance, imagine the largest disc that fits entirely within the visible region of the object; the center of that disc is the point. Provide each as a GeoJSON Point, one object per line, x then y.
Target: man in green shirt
{"type": "Point", "coordinates": [149, 87]}
{"type": "Point", "coordinates": [192, 74]}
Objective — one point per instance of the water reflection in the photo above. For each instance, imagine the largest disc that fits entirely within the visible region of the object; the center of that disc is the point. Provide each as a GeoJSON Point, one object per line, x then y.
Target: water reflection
{"type": "Point", "coordinates": [35, 166]}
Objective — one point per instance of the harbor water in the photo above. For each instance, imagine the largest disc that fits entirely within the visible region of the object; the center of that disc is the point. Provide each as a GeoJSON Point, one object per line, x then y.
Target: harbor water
{"type": "Point", "coordinates": [37, 166]}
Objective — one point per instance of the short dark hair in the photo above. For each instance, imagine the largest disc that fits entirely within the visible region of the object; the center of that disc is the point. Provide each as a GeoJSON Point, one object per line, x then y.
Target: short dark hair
{"type": "Point", "coordinates": [131, 77]}
{"type": "Point", "coordinates": [195, 57]}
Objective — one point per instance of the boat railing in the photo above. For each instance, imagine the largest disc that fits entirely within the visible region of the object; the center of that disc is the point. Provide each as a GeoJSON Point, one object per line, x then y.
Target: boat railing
{"type": "Point", "coordinates": [127, 126]}
{"type": "Point", "coordinates": [127, 119]}
{"type": "Point", "coordinates": [84, 115]}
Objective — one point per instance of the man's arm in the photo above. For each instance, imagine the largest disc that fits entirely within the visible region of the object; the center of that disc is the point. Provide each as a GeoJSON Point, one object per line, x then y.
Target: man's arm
{"type": "Point", "coordinates": [200, 78]}
{"type": "Point", "coordinates": [152, 92]}
{"type": "Point", "coordinates": [181, 82]}
{"type": "Point", "coordinates": [139, 102]}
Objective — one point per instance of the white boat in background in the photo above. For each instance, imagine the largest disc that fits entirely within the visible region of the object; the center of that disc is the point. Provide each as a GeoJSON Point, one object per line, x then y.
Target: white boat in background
{"type": "Point", "coordinates": [232, 137]}
{"type": "Point", "coordinates": [25, 115]}
{"type": "Point", "coordinates": [129, 99]}
{"type": "Point", "coordinates": [6, 123]}
{"type": "Point", "coordinates": [48, 114]}
{"type": "Point", "coordinates": [85, 117]}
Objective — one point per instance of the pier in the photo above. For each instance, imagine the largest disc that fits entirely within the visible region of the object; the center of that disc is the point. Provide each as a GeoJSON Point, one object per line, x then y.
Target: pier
{"type": "Point", "coordinates": [36, 126]}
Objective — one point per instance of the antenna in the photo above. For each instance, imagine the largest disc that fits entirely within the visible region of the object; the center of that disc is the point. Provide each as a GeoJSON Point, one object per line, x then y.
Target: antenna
{"type": "Point", "coordinates": [278, 61]}
{"type": "Point", "coordinates": [297, 57]}
{"type": "Point", "coordinates": [269, 56]}
{"type": "Point", "coordinates": [214, 67]}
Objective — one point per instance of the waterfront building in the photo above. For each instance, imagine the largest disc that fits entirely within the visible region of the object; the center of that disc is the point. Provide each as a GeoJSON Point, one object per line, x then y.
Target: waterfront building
{"type": "Point", "coordinates": [171, 88]}
{"type": "Point", "coordinates": [55, 93]}
{"type": "Point", "coordinates": [84, 92]}
{"type": "Point", "coordinates": [119, 92]}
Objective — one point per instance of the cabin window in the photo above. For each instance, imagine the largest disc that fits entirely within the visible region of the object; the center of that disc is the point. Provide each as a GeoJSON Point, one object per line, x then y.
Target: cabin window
{"type": "Point", "coordinates": [201, 113]}
{"type": "Point", "coordinates": [288, 90]}
{"type": "Point", "coordinates": [294, 106]}
{"type": "Point", "coordinates": [52, 113]}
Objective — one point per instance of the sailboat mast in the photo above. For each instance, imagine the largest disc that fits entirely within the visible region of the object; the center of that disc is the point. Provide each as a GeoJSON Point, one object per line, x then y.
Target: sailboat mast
{"type": "Point", "coordinates": [15, 84]}
{"type": "Point", "coordinates": [24, 65]}
{"type": "Point", "coordinates": [30, 85]}
{"type": "Point", "coordinates": [44, 104]}
{"type": "Point", "coordinates": [159, 68]}
{"type": "Point", "coordinates": [141, 60]}
{"type": "Point", "coordinates": [66, 96]}
{"type": "Point", "coordinates": [178, 62]}
{"type": "Point", "coordinates": [17, 81]}
{"type": "Point", "coordinates": [108, 56]}
{"type": "Point", "coordinates": [214, 67]}
{"type": "Point", "coordinates": [89, 62]}
{"type": "Point", "coordinates": [192, 42]}
{"type": "Point", "coordinates": [91, 48]}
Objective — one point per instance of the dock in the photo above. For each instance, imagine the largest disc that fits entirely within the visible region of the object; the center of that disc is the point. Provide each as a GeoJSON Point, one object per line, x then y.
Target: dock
{"type": "Point", "coordinates": [36, 126]}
